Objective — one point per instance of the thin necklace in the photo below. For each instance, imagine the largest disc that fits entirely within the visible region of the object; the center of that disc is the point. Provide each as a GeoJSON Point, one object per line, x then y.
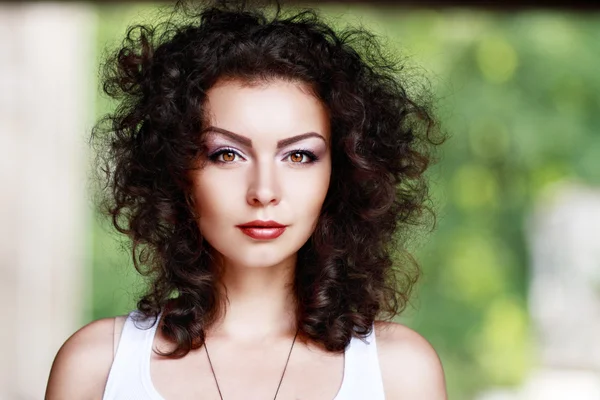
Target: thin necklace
{"type": "Point", "coordinates": [280, 380]}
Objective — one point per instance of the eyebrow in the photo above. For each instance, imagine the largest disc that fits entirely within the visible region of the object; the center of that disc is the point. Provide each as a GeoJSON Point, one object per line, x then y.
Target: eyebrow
{"type": "Point", "coordinates": [244, 141]}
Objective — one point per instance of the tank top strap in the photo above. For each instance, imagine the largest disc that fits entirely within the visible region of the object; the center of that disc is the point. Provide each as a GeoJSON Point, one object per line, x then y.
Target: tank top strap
{"type": "Point", "coordinates": [131, 363]}
{"type": "Point", "coordinates": [362, 374]}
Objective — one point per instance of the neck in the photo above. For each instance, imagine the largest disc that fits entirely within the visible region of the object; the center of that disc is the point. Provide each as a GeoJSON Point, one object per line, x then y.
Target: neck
{"type": "Point", "coordinates": [258, 302]}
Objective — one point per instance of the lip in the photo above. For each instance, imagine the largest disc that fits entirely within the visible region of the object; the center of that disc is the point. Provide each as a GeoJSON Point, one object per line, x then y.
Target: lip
{"type": "Point", "coordinates": [261, 224]}
{"type": "Point", "coordinates": [262, 230]}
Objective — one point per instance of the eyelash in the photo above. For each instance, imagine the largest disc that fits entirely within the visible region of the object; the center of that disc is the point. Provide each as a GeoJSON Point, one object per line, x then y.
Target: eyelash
{"type": "Point", "coordinates": [311, 156]}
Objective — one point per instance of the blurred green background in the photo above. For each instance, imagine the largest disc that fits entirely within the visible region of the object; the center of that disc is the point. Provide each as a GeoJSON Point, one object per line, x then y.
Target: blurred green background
{"type": "Point", "coordinates": [519, 95]}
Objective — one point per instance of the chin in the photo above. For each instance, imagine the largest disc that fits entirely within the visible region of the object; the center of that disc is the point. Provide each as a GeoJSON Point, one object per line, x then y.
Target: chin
{"type": "Point", "coordinates": [257, 255]}
{"type": "Point", "coordinates": [262, 259]}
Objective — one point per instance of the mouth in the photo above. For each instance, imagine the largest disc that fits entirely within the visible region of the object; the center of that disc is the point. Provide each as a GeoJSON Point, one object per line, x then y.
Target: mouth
{"type": "Point", "coordinates": [262, 230]}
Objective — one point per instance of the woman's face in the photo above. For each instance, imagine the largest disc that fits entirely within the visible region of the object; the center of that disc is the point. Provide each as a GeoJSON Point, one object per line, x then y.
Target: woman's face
{"type": "Point", "coordinates": [268, 162]}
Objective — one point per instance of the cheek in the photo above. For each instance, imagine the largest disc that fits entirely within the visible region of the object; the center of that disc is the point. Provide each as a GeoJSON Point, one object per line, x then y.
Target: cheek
{"type": "Point", "coordinates": [308, 192]}
{"type": "Point", "coordinates": [211, 197]}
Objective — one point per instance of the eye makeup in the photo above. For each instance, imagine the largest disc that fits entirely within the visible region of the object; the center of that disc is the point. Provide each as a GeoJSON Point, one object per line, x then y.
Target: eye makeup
{"type": "Point", "coordinates": [220, 150]}
{"type": "Point", "coordinates": [215, 155]}
{"type": "Point", "coordinates": [312, 157]}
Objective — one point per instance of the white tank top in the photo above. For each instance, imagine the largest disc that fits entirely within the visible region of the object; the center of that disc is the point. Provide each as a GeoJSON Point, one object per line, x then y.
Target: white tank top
{"type": "Point", "coordinates": [129, 376]}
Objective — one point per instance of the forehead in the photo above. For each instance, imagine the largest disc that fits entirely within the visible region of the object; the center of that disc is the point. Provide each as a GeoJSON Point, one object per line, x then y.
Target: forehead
{"type": "Point", "coordinates": [275, 108]}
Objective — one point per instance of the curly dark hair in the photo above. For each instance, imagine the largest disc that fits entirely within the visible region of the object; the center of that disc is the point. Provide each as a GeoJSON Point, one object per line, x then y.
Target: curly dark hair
{"type": "Point", "coordinates": [355, 267]}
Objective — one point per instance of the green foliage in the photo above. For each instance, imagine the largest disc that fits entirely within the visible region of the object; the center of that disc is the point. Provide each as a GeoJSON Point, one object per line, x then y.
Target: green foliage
{"type": "Point", "coordinates": [518, 94]}
{"type": "Point", "coordinates": [116, 283]}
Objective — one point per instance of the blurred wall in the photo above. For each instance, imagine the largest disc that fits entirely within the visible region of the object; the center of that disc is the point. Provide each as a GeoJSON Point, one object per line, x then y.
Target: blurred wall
{"type": "Point", "coordinates": [45, 105]}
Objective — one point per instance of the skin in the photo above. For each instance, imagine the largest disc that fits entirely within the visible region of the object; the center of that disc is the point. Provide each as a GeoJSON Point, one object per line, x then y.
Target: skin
{"type": "Point", "coordinates": [248, 345]}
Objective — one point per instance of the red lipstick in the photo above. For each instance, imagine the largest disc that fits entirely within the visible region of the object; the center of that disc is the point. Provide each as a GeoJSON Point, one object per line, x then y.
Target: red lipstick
{"type": "Point", "coordinates": [262, 230]}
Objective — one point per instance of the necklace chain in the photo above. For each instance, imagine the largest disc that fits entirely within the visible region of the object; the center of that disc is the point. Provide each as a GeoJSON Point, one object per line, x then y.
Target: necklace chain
{"type": "Point", "coordinates": [280, 379]}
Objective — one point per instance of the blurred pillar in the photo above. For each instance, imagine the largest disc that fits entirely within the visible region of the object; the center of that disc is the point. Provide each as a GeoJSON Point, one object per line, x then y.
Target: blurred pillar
{"type": "Point", "coordinates": [46, 100]}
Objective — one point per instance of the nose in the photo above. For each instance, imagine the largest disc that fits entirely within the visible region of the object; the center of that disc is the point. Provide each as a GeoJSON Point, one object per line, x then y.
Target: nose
{"type": "Point", "coordinates": [263, 188]}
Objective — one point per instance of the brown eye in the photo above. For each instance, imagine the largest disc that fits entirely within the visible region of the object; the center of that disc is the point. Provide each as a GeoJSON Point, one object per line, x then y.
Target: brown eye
{"type": "Point", "coordinates": [296, 157]}
{"type": "Point", "coordinates": [228, 156]}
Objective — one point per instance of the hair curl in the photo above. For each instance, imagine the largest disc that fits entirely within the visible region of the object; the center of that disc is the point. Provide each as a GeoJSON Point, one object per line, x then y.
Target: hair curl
{"type": "Point", "coordinates": [382, 143]}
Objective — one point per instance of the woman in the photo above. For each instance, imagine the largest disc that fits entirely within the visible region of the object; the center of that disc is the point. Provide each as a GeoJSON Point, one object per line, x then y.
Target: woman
{"type": "Point", "coordinates": [264, 169]}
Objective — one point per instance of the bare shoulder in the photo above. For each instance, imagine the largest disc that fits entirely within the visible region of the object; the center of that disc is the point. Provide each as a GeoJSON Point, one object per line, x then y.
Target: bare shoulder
{"type": "Point", "coordinates": [81, 367]}
{"type": "Point", "coordinates": [410, 367]}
